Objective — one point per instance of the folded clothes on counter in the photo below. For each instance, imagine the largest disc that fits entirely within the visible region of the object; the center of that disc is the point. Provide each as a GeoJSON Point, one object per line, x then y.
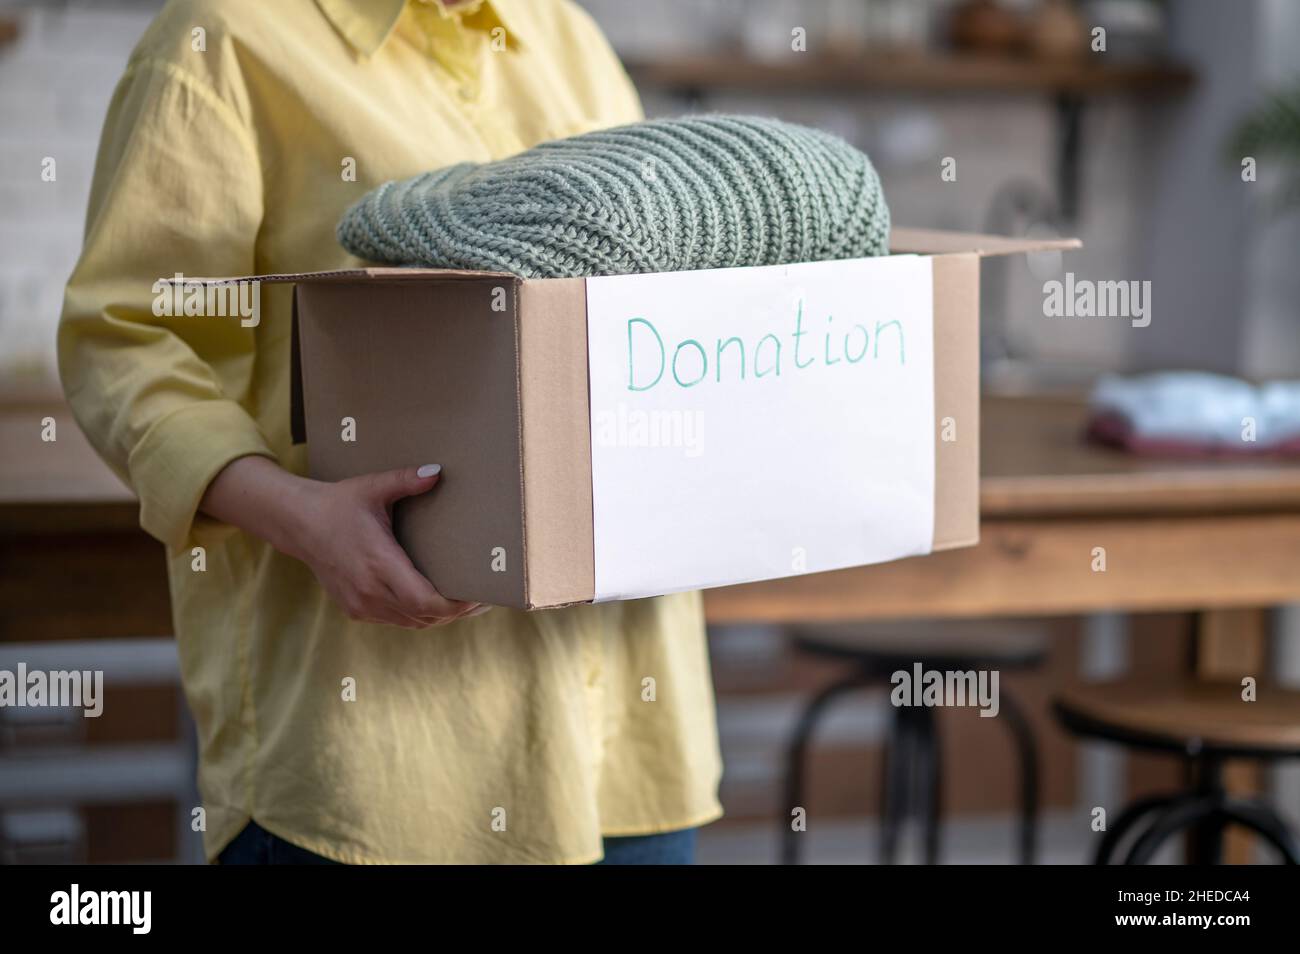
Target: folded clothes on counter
{"type": "Point", "coordinates": [1195, 414]}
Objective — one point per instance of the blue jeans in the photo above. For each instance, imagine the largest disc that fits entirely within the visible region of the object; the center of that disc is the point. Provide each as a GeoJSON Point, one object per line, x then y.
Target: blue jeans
{"type": "Point", "coordinates": [667, 848]}
{"type": "Point", "coordinates": [257, 846]}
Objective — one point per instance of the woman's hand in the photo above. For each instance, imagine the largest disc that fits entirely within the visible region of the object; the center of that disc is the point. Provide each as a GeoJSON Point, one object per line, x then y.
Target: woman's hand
{"type": "Point", "coordinates": [343, 531]}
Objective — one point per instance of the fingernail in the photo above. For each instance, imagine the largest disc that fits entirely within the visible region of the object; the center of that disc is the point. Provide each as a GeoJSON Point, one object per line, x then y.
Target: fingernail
{"type": "Point", "coordinates": [429, 470]}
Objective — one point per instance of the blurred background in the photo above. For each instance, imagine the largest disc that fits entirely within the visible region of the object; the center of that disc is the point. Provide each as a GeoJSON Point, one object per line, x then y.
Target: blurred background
{"type": "Point", "coordinates": [1134, 149]}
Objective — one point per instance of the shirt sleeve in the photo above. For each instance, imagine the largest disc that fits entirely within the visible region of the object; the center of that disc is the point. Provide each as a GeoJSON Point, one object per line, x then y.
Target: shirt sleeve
{"type": "Point", "coordinates": [616, 96]}
{"type": "Point", "coordinates": [592, 69]}
{"type": "Point", "coordinates": [163, 398]}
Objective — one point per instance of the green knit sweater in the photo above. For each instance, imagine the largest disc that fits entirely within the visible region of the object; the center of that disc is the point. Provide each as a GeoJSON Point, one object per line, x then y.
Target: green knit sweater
{"type": "Point", "coordinates": [657, 196]}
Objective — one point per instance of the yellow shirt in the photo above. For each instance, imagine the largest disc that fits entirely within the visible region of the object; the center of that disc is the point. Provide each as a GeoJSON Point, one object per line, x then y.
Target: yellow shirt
{"type": "Point", "coordinates": [229, 149]}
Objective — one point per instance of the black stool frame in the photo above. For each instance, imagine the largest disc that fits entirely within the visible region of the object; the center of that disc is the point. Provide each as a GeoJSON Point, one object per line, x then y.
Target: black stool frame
{"type": "Point", "coordinates": [912, 783]}
{"type": "Point", "coordinates": [1204, 812]}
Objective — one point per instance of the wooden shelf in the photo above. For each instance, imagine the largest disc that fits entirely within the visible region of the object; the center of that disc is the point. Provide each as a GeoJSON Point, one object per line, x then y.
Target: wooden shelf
{"type": "Point", "coordinates": [923, 73]}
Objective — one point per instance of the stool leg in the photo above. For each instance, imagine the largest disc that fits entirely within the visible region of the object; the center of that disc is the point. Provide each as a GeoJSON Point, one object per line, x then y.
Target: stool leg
{"type": "Point", "coordinates": [1128, 819]}
{"type": "Point", "coordinates": [795, 759]}
{"type": "Point", "coordinates": [1205, 841]}
{"type": "Point", "coordinates": [896, 772]}
{"type": "Point", "coordinates": [928, 780]}
{"type": "Point", "coordinates": [1026, 744]}
{"type": "Point", "coordinates": [1183, 812]}
{"type": "Point", "coordinates": [1265, 822]}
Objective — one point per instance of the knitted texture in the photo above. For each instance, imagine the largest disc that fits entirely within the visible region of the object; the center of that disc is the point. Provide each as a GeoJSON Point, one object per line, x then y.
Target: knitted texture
{"type": "Point", "coordinates": [658, 196]}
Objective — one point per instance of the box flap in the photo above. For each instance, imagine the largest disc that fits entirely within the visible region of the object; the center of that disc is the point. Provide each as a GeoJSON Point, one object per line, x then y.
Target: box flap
{"type": "Point", "coordinates": [297, 414]}
{"type": "Point", "coordinates": [350, 274]}
{"type": "Point", "coordinates": [385, 377]}
{"type": "Point", "coordinates": [555, 419]}
{"type": "Point", "coordinates": [904, 240]}
{"type": "Point", "coordinates": [956, 401]}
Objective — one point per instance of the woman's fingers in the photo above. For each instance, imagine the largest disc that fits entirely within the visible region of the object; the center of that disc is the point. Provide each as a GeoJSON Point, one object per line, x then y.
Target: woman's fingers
{"type": "Point", "coordinates": [359, 561]}
{"type": "Point", "coordinates": [388, 486]}
{"type": "Point", "coordinates": [414, 595]}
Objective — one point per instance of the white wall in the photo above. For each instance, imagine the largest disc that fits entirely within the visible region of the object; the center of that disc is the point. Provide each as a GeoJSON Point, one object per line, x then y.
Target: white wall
{"type": "Point", "coordinates": [55, 84]}
{"type": "Point", "coordinates": [1200, 228]}
{"type": "Point", "coordinates": [1271, 327]}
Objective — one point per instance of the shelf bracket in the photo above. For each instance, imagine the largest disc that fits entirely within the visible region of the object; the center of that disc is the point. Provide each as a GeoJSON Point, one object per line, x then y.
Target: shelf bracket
{"type": "Point", "coordinates": [1069, 131]}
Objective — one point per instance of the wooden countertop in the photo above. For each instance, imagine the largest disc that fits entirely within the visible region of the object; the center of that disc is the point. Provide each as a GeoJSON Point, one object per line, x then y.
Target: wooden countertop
{"type": "Point", "coordinates": [1034, 462]}
{"type": "Point", "coordinates": [59, 485]}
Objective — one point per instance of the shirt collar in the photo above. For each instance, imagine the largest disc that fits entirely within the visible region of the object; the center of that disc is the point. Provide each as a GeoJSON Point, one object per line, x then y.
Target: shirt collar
{"type": "Point", "coordinates": [366, 24]}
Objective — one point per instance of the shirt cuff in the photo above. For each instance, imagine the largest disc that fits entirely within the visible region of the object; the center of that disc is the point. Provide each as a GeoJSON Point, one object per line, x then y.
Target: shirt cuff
{"type": "Point", "coordinates": [178, 457]}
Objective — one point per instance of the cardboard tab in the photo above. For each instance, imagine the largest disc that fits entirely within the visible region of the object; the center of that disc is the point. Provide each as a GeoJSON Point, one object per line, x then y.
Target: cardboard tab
{"type": "Point", "coordinates": [349, 274]}
{"type": "Point", "coordinates": [936, 242]}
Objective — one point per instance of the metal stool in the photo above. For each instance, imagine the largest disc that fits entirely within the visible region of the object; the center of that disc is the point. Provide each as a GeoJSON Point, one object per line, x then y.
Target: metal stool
{"type": "Point", "coordinates": [912, 778]}
{"type": "Point", "coordinates": [1206, 723]}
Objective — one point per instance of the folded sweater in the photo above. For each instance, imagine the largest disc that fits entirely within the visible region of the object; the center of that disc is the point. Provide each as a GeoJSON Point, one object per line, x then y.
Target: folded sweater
{"type": "Point", "coordinates": [1196, 414]}
{"type": "Point", "coordinates": [661, 195]}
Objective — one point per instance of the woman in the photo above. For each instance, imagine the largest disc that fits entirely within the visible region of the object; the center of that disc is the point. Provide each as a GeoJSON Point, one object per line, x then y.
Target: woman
{"type": "Point", "coordinates": [346, 711]}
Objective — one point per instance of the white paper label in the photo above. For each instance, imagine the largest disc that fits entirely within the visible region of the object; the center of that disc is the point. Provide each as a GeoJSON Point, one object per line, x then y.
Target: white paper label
{"type": "Point", "coordinates": [754, 423]}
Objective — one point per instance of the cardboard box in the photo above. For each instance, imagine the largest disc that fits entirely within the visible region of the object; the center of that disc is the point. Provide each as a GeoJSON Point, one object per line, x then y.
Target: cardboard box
{"type": "Point", "coordinates": [489, 375]}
